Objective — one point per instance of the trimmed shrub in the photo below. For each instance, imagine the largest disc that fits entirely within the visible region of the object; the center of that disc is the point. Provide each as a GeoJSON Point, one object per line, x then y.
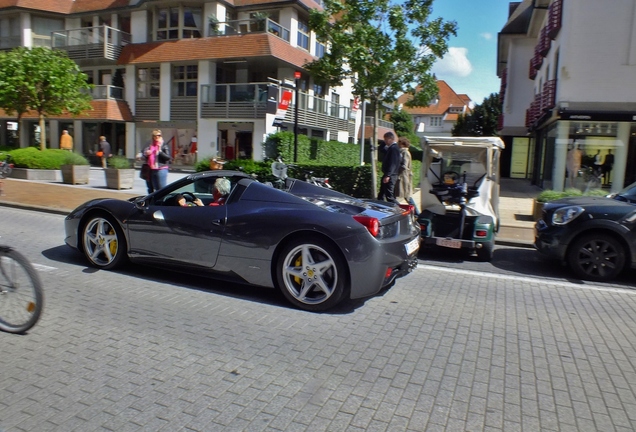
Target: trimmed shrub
{"type": "Point", "coordinates": [34, 158]}
{"type": "Point", "coordinates": [119, 162]}
{"type": "Point", "coordinates": [549, 195]}
{"type": "Point", "coordinates": [72, 158]}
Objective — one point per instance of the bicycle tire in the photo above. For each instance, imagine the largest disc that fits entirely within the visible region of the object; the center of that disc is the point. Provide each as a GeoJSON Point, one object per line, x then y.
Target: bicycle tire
{"type": "Point", "coordinates": [21, 296]}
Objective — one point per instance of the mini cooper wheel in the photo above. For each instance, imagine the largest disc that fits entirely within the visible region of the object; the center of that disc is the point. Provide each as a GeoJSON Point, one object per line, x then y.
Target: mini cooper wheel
{"type": "Point", "coordinates": [103, 242]}
{"type": "Point", "coordinates": [311, 274]}
{"type": "Point", "coordinates": [485, 252]}
{"type": "Point", "coordinates": [596, 257]}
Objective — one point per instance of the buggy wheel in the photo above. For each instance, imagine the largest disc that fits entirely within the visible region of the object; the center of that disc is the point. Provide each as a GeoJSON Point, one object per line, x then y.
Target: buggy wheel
{"type": "Point", "coordinates": [485, 252]}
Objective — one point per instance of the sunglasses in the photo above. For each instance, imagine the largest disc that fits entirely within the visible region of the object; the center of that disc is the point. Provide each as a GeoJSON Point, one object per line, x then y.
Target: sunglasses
{"type": "Point", "coordinates": [155, 136]}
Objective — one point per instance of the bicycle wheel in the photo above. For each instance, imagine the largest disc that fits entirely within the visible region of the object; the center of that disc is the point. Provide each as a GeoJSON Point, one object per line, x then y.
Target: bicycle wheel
{"type": "Point", "coordinates": [21, 297]}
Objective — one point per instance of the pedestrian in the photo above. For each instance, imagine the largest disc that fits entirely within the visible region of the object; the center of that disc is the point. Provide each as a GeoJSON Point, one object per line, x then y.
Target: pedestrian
{"type": "Point", "coordinates": [66, 141]}
{"type": "Point", "coordinates": [404, 185]}
{"type": "Point", "coordinates": [158, 157]}
{"type": "Point", "coordinates": [105, 148]}
{"type": "Point", "coordinates": [390, 168]}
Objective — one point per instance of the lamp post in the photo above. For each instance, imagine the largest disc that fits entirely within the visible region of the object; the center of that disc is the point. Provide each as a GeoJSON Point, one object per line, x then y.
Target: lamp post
{"type": "Point", "coordinates": [297, 83]}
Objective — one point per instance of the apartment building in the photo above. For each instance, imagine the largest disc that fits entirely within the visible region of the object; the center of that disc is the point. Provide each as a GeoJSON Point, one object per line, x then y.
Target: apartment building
{"type": "Point", "coordinates": [567, 70]}
{"type": "Point", "coordinates": [209, 74]}
{"type": "Point", "coordinates": [440, 116]}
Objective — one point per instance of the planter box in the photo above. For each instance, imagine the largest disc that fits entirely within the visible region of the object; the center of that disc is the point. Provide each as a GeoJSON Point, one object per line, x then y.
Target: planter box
{"type": "Point", "coordinates": [75, 174]}
{"type": "Point", "coordinates": [36, 174]}
{"type": "Point", "coordinates": [119, 178]}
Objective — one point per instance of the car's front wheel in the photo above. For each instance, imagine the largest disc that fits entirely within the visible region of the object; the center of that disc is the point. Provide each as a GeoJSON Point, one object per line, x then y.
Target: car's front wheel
{"type": "Point", "coordinates": [596, 257]}
{"type": "Point", "coordinates": [104, 242]}
{"type": "Point", "coordinates": [311, 274]}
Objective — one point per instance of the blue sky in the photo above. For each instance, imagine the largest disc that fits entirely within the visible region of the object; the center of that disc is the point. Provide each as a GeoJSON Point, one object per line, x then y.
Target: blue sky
{"type": "Point", "coordinates": [470, 66]}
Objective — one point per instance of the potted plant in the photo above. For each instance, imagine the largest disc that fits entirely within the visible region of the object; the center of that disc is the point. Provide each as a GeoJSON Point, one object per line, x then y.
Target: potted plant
{"type": "Point", "coordinates": [259, 21]}
{"type": "Point", "coordinates": [549, 195]}
{"type": "Point", "coordinates": [214, 25]}
{"type": "Point", "coordinates": [120, 173]}
{"type": "Point", "coordinates": [75, 169]}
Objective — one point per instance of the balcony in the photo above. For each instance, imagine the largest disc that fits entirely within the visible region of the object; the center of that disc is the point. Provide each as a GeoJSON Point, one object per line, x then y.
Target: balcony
{"type": "Point", "coordinates": [381, 123]}
{"type": "Point", "coordinates": [235, 27]}
{"type": "Point", "coordinates": [249, 100]}
{"type": "Point", "coordinates": [107, 92]}
{"type": "Point", "coordinates": [548, 95]}
{"type": "Point", "coordinates": [555, 14]}
{"type": "Point", "coordinates": [543, 46]}
{"type": "Point", "coordinates": [101, 42]}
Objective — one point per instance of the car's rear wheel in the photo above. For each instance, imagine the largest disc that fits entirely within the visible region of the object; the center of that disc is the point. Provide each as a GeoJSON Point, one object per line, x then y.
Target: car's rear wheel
{"type": "Point", "coordinates": [311, 274]}
{"type": "Point", "coordinates": [103, 242]}
{"type": "Point", "coordinates": [596, 257]}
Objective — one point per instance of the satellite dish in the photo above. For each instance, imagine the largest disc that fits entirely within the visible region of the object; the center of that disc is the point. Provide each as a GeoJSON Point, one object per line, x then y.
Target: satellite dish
{"type": "Point", "coordinates": [279, 169]}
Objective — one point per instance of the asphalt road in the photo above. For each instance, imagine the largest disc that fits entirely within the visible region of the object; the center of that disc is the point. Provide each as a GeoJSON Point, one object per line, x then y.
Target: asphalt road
{"type": "Point", "coordinates": [457, 345]}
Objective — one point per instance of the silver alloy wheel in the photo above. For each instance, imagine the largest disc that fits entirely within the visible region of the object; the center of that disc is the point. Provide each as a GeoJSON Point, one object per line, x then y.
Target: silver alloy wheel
{"type": "Point", "coordinates": [101, 242]}
{"type": "Point", "coordinates": [310, 274]}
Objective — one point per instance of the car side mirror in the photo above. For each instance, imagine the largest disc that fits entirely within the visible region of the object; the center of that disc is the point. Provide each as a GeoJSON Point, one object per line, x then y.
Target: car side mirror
{"type": "Point", "coordinates": [141, 203]}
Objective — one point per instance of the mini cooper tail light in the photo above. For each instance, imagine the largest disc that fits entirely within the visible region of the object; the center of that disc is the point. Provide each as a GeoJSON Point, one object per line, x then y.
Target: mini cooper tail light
{"type": "Point", "coordinates": [481, 233]}
{"type": "Point", "coordinates": [372, 224]}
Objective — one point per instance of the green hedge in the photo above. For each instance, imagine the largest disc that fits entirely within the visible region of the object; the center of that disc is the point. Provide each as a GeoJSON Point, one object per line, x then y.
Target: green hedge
{"type": "Point", "coordinates": [549, 195]}
{"type": "Point", "coordinates": [34, 158]}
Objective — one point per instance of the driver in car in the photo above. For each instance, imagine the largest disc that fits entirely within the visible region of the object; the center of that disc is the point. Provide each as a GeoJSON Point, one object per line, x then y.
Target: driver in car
{"type": "Point", "coordinates": [183, 202]}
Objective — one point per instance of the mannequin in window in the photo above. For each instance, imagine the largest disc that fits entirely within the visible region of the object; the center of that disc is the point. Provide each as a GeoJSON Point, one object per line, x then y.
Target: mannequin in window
{"type": "Point", "coordinates": [598, 164]}
{"type": "Point", "coordinates": [573, 163]}
{"type": "Point", "coordinates": [608, 163]}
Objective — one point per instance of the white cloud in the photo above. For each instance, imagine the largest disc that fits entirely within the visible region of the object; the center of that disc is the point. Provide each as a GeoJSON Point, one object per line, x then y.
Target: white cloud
{"type": "Point", "coordinates": [487, 36]}
{"type": "Point", "coordinates": [455, 64]}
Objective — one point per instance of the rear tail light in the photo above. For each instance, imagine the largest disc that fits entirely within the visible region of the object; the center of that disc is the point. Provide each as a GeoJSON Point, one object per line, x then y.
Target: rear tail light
{"type": "Point", "coordinates": [481, 233]}
{"type": "Point", "coordinates": [388, 272]}
{"type": "Point", "coordinates": [407, 208]}
{"type": "Point", "coordinates": [371, 223]}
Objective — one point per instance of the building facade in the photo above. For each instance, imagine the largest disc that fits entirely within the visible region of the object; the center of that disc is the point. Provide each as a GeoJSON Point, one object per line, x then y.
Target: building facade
{"type": "Point", "coordinates": [438, 118]}
{"type": "Point", "coordinates": [567, 70]}
{"type": "Point", "coordinates": [209, 74]}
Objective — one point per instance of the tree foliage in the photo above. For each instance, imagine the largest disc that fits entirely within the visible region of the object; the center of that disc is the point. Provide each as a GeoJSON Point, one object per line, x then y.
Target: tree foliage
{"type": "Point", "coordinates": [404, 126]}
{"type": "Point", "coordinates": [482, 121]}
{"type": "Point", "coordinates": [43, 80]}
{"type": "Point", "coordinates": [385, 47]}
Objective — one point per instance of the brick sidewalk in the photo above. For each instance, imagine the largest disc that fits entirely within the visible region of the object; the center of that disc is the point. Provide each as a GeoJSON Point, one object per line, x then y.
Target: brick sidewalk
{"type": "Point", "coordinates": [53, 197]}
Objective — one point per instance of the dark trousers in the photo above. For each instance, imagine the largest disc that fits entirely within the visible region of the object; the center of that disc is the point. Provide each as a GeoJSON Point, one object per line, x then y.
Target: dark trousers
{"type": "Point", "coordinates": [387, 190]}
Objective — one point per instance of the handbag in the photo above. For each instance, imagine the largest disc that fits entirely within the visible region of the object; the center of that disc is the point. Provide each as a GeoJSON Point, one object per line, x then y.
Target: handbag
{"type": "Point", "coordinates": [145, 171]}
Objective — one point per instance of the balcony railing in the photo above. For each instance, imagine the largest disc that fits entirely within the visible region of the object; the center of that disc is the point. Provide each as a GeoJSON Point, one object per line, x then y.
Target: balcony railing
{"type": "Point", "coordinates": [382, 123]}
{"type": "Point", "coordinates": [234, 100]}
{"type": "Point", "coordinates": [548, 95]}
{"type": "Point", "coordinates": [249, 26]}
{"type": "Point", "coordinates": [107, 92]}
{"type": "Point", "coordinates": [555, 14]}
{"type": "Point", "coordinates": [101, 42]}
{"type": "Point", "coordinates": [249, 100]}
{"type": "Point", "coordinates": [543, 46]}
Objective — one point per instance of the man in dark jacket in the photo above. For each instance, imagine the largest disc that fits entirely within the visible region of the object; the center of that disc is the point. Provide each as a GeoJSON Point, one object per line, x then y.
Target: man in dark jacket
{"type": "Point", "coordinates": [390, 167]}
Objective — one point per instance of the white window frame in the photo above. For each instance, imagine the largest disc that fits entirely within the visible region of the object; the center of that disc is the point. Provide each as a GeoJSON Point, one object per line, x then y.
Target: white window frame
{"type": "Point", "coordinates": [185, 80]}
{"type": "Point", "coordinates": [148, 83]}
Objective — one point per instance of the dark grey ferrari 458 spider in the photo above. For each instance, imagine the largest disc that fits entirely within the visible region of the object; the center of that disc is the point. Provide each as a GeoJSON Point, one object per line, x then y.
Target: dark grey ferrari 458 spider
{"type": "Point", "coordinates": [316, 245]}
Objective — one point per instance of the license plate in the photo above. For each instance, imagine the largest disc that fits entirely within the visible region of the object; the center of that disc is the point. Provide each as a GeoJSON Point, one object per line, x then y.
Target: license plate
{"type": "Point", "coordinates": [454, 244]}
{"type": "Point", "coordinates": [412, 246]}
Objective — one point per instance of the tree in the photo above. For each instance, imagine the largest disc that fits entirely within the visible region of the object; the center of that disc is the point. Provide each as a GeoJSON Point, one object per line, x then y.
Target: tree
{"type": "Point", "coordinates": [404, 126]}
{"type": "Point", "coordinates": [43, 80]}
{"type": "Point", "coordinates": [482, 121]}
{"type": "Point", "coordinates": [384, 47]}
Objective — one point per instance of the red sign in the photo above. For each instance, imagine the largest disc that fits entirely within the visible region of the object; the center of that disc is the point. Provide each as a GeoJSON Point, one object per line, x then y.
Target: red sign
{"type": "Point", "coordinates": [285, 100]}
{"type": "Point", "coordinates": [356, 104]}
{"type": "Point", "coordinates": [297, 75]}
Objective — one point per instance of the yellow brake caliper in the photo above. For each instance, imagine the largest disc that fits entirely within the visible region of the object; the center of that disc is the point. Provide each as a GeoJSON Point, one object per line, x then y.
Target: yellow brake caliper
{"type": "Point", "coordinates": [298, 263]}
{"type": "Point", "coordinates": [113, 244]}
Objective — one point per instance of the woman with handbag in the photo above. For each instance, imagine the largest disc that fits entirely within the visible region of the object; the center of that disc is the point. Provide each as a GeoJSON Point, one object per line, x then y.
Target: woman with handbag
{"type": "Point", "coordinates": [158, 158]}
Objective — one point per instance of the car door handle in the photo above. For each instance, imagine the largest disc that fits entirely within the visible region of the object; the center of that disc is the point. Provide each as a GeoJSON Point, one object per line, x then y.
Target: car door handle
{"type": "Point", "coordinates": [218, 221]}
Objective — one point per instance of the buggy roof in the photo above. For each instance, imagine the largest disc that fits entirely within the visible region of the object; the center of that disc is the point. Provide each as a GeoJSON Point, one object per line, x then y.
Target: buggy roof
{"type": "Point", "coordinates": [466, 141]}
